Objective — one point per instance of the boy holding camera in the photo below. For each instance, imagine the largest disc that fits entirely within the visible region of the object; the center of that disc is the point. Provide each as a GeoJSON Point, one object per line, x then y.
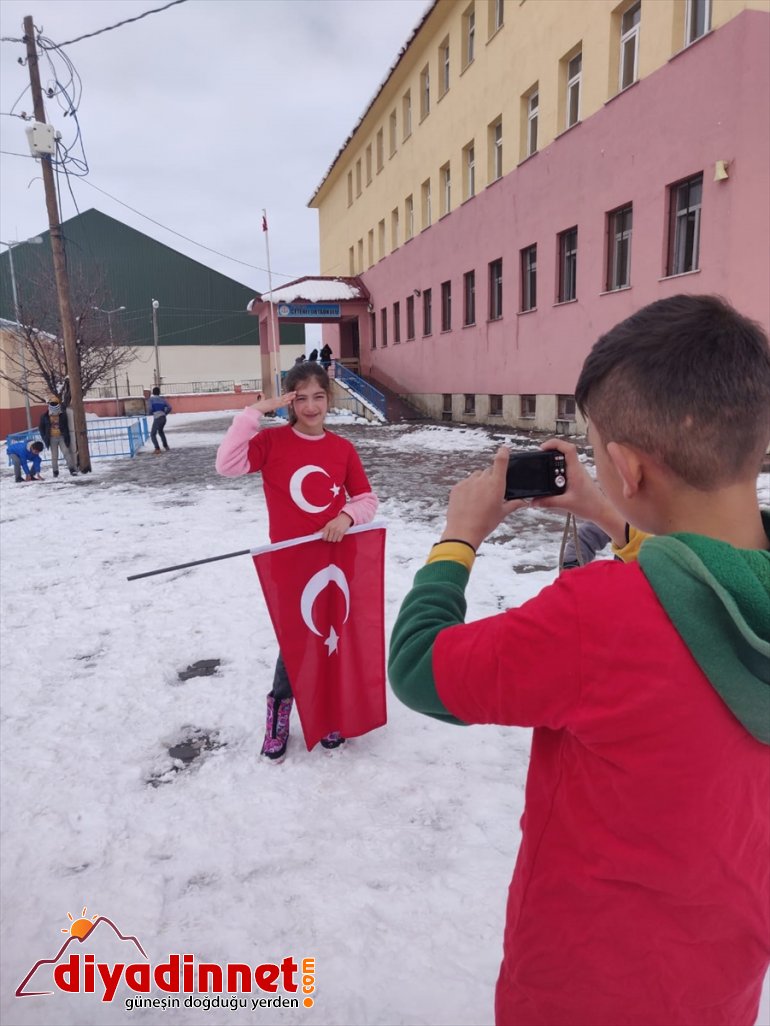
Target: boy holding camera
{"type": "Point", "coordinates": [641, 893]}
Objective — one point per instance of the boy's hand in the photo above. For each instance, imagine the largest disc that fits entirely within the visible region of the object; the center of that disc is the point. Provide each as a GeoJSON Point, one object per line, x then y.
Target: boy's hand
{"type": "Point", "coordinates": [583, 496]}
{"type": "Point", "coordinates": [337, 528]}
{"type": "Point", "coordinates": [271, 405]}
{"type": "Point", "coordinates": [476, 505]}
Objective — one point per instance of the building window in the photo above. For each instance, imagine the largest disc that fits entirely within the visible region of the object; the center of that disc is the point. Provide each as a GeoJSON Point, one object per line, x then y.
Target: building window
{"type": "Point", "coordinates": [427, 205]}
{"type": "Point", "coordinates": [495, 406]}
{"type": "Point", "coordinates": [498, 10]}
{"type": "Point", "coordinates": [527, 407]}
{"type": "Point", "coordinates": [529, 278]}
{"type": "Point", "coordinates": [565, 407]}
{"type": "Point", "coordinates": [470, 404]}
{"type": "Point", "coordinates": [406, 113]}
{"type": "Point", "coordinates": [446, 406]}
{"type": "Point", "coordinates": [629, 45]}
{"type": "Point", "coordinates": [469, 35]}
{"type": "Point", "coordinates": [350, 188]}
{"type": "Point", "coordinates": [381, 238]}
{"type": "Point", "coordinates": [619, 224]}
{"type": "Point", "coordinates": [410, 317]}
{"type": "Point", "coordinates": [684, 225]}
{"type": "Point", "coordinates": [443, 68]}
{"type": "Point", "coordinates": [393, 129]}
{"type": "Point", "coordinates": [697, 20]}
{"type": "Point", "coordinates": [469, 298]}
{"type": "Point", "coordinates": [427, 311]}
{"type": "Point", "coordinates": [446, 306]}
{"type": "Point", "coordinates": [495, 149]}
{"type": "Point", "coordinates": [425, 92]}
{"type": "Point", "coordinates": [446, 189]}
{"type": "Point", "coordinates": [496, 290]}
{"type": "Point", "coordinates": [574, 78]}
{"type": "Point", "coordinates": [469, 160]}
{"type": "Point", "coordinates": [394, 228]}
{"type": "Point", "coordinates": [352, 260]}
{"type": "Point", "coordinates": [369, 164]}
{"type": "Point", "coordinates": [408, 218]}
{"type": "Point", "coordinates": [370, 246]}
{"type": "Point", "coordinates": [360, 255]}
{"type": "Point", "coordinates": [383, 327]}
{"type": "Point", "coordinates": [568, 265]}
{"type": "Point", "coordinates": [380, 151]}
{"type": "Point", "coordinates": [532, 102]}
{"type": "Point", "coordinates": [373, 329]}
{"type": "Point", "coordinates": [396, 323]}
{"type": "Point", "coordinates": [358, 178]}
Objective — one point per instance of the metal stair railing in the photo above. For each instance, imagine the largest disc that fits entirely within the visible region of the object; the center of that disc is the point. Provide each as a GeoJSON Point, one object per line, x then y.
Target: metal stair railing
{"type": "Point", "coordinates": [361, 388]}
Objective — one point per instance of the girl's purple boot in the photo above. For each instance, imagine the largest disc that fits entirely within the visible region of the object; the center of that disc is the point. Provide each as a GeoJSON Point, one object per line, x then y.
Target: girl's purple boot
{"type": "Point", "coordinates": [277, 727]}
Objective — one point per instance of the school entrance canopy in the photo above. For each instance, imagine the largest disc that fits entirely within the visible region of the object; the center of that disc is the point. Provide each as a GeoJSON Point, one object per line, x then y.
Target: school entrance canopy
{"type": "Point", "coordinates": [341, 305]}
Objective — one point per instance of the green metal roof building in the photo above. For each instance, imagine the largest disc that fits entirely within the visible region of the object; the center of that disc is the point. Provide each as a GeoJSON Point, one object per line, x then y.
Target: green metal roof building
{"type": "Point", "coordinates": [113, 265]}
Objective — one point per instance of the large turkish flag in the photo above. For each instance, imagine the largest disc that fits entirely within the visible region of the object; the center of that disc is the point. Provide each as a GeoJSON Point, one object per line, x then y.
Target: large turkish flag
{"type": "Point", "coordinates": [326, 601]}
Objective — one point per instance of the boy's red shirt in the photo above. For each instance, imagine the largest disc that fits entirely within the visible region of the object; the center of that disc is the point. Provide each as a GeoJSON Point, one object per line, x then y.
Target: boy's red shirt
{"type": "Point", "coordinates": [305, 478]}
{"type": "Point", "coordinates": [646, 838]}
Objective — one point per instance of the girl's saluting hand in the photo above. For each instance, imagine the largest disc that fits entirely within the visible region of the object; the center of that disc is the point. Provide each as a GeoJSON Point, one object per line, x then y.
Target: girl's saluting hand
{"type": "Point", "coordinates": [271, 405]}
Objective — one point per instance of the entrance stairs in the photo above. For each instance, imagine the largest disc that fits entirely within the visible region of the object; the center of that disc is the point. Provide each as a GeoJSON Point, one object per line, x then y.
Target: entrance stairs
{"type": "Point", "coordinates": [371, 399]}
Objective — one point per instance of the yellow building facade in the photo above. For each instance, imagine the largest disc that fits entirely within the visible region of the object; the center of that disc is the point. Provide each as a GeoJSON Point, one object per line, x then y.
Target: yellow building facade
{"type": "Point", "coordinates": [465, 87]}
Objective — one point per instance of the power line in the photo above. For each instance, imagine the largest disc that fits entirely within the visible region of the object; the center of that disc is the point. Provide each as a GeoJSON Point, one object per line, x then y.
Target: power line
{"type": "Point", "coordinates": [127, 21]}
{"type": "Point", "coordinates": [187, 238]}
{"type": "Point", "coordinates": [85, 181]}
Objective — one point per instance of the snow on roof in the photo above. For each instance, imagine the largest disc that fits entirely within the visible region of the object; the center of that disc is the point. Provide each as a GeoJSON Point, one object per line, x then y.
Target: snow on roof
{"type": "Point", "coordinates": [6, 325]}
{"type": "Point", "coordinates": [401, 54]}
{"type": "Point", "coordinates": [314, 290]}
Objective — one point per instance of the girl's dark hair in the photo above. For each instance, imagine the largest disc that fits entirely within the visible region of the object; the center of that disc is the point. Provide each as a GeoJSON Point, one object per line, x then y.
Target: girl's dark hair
{"type": "Point", "coordinates": [302, 372]}
{"type": "Point", "coordinates": [686, 379]}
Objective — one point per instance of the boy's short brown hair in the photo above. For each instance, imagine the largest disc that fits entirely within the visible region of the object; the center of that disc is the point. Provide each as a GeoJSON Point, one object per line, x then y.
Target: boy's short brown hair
{"type": "Point", "coordinates": [686, 379]}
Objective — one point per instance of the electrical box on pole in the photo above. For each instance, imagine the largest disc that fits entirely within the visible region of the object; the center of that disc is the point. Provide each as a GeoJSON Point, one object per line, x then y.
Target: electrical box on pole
{"type": "Point", "coordinates": [41, 139]}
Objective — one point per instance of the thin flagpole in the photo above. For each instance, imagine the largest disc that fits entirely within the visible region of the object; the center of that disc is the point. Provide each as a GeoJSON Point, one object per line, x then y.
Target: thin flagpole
{"type": "Point", "coordinates": [276, 363]}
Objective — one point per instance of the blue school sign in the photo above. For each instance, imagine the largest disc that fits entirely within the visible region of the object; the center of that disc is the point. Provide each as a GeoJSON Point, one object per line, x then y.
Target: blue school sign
{"type": "Point", "coordinates": [303, 310]}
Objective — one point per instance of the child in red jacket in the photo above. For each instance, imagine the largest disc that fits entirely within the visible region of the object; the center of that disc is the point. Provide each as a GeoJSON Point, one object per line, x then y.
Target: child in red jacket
{"type": "Point", "coordinates": [641, 893]}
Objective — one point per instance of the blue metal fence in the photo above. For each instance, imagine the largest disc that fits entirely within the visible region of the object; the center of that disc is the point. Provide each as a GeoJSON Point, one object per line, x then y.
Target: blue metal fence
{"type": "Point", "coordinates": [358, 386]}
{"type": "Point", "coordinates": [107, 436]}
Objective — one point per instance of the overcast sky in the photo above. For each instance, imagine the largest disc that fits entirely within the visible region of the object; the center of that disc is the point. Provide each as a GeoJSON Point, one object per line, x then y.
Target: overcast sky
{"type": "Point", "coordinates": [201, 115]}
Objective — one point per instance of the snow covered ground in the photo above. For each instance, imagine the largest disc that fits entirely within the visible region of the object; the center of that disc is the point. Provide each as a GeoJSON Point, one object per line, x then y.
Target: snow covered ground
{"type": "Point", "coordinates": [387, 861]}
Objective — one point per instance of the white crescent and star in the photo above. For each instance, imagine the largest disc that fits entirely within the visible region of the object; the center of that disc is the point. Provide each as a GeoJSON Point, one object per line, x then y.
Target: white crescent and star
{"type": "Point", "coordinates": [313, 589]}
{"type": "Point", "coordinates": [295, 488]}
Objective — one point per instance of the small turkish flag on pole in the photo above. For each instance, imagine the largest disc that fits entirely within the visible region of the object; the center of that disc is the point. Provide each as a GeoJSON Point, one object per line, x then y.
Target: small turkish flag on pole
{"type": "Point", "coordinates": [326, 602]}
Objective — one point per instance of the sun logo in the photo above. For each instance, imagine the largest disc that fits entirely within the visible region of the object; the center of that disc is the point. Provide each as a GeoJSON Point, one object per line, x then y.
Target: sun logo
{"type": "Point", "coordinates": [80, 927]}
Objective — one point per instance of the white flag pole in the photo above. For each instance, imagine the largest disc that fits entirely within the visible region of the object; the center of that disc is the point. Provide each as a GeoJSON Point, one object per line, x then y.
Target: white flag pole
{"type": "Point", "coordinates": [275, 362]}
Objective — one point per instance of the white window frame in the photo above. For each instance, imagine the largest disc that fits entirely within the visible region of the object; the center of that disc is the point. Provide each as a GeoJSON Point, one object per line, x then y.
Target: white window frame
{"type": "Point", "coordinates": [568, 252]}
{"type": "Point", "coordinates": [691, 16]}
{"type": "Point", "coordinates": [406, 113]}
{"type": "Point", "coordinates": [619, 237]}
{"type": "Point", "coordinates": [393, 132]}
{"type": "Point", "coordinates": [471, 36]}
{"type": "Point", "coordinates": [409, 217]}
{"type": "Point", "coordinates": [499, 14]}
{"type": "Point", "coordinates": [446, 188]}
{"type": "Point", "coordinates": [470, 170]}
{"type": "Point", "coordinates": [681, 219]}
{"type": "Point", "coordinates": [631, 35]}
{"type": "Point", "coordinates": [443, 67]}
{"type": "Point", "coordinates": [497, 143]}
{"type": "Point", "coordinates": [574, 80]}
{"type": "Point", "coordinates": [425, 92]}
{"type": "Point", "coordinates": [528, 261]}
{"type": "Point", "coordinates": [533, 114]}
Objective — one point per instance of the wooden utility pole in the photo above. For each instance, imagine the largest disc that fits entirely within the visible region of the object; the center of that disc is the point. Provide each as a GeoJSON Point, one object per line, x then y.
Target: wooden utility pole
{"type": "Point", "coordinates": [59, 263]}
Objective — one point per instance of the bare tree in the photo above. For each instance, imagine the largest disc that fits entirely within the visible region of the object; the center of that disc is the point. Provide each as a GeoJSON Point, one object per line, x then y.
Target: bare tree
{"type": "Point", "coordinates": [33, 357]}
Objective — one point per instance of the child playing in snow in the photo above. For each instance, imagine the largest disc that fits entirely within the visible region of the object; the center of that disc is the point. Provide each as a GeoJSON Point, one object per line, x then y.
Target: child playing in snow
{"type": "Point", "coordinates": [306, 473]}
{"type": "Point", "coordinates": [25, 456]}
{"type": "Point", "coordinates": [641, 893]}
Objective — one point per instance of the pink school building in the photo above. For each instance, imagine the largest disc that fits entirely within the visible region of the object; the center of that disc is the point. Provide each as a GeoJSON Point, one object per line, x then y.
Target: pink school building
{"type": "Point", "coordinates": [485, 312]}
